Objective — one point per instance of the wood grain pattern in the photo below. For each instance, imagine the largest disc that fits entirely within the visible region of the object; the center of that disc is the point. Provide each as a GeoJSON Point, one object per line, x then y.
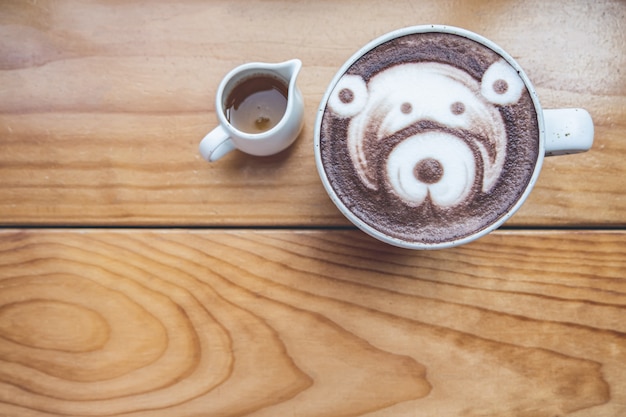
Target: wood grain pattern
{"type": "Point", "coordinates": [310, 323]}
{"type": "Point", "coordinates": [102, 105]}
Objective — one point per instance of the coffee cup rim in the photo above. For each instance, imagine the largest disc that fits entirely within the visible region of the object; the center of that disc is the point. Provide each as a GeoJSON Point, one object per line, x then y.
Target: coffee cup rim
{"type": "Point", "coordinates": [433, 28]}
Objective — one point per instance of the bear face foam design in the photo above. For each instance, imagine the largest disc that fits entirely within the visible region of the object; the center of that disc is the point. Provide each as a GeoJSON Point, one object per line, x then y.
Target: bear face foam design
{"type": "Point", "coordinates": [428, 130]}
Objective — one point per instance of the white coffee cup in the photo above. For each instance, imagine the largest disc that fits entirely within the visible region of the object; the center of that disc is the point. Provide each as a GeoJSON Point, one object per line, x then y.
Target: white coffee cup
{"type": "Point", "coordinates": [226, 137]}
{"type": "Point", "coordinates": [561, 131]}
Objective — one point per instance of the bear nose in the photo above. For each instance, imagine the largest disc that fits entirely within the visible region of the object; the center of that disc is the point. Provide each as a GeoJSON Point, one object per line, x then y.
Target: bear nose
{"type": "Point", "coordinates": [428, 171]}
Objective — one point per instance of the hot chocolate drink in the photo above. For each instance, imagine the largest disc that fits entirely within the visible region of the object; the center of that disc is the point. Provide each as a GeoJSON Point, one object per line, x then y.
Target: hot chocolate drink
{"type": "Point", "coordinates": [429, 138]}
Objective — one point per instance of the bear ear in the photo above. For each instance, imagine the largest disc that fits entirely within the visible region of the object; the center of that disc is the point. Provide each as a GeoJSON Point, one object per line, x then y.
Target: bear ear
{"type": "Point", "coordinates": [501, 84]}
{"type": "Point", "coordinates": [349, 96]}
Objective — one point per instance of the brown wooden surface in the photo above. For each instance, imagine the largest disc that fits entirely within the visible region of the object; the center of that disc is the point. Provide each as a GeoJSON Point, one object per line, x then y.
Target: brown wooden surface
{"type": "Point", "coordinates": [102, 106]}
{"type": "Point", "coordinates": [310, 323]}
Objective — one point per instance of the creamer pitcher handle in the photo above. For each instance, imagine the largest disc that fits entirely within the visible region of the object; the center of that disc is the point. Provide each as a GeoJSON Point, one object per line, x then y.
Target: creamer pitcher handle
{"type": "Point", "coordinates": [216, 144]}
{"type": "Point", "coordinates": [568, 131]}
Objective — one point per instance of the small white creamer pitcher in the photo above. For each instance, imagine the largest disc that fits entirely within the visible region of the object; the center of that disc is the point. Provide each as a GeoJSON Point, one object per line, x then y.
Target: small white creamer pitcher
{"type": "Point", "coordinates": [226, 137]}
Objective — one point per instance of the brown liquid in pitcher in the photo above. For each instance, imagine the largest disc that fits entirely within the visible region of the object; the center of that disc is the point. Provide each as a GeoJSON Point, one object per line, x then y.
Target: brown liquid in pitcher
{"type": "Point", "coordinates": [257, 104]}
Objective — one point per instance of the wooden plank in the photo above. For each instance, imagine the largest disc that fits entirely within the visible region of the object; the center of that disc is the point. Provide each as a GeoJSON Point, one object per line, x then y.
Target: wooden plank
{"type": "Point", "coordinates": [102, 105]}
{"type": "Point", "coordinates": [273, 323]}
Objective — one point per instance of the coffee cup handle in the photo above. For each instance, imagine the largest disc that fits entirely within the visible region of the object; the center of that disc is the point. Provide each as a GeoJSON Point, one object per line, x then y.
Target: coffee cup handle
{"type": "Point", "coordinates": [567, 131]}
{"type": "Point", "coordinates": [216, 144]}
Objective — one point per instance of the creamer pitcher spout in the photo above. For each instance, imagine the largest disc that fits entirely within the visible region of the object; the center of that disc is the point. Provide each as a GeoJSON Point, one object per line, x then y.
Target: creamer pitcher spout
{"type": "Point", "coordinates": [295, 102]}
{"type": "Point", "coordinates": [289, 70]}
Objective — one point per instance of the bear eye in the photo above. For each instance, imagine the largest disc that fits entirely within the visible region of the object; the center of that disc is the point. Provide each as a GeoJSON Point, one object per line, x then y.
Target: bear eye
{"type": "Point", "coordinates": [501, 84]}
{"type": "Point", "coordinates": [349, 96]}
{"type": "Point", "coordinates": [457, 108]}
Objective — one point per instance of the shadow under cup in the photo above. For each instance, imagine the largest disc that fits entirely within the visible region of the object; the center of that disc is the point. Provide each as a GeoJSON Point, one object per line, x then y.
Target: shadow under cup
{"type": "Point", "coordinates": [429, 139]}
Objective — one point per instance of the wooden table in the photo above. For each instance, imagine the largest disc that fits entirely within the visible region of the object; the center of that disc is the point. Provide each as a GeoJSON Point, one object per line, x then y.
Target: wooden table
{"type": "Point", "coordinates": [138, 280]}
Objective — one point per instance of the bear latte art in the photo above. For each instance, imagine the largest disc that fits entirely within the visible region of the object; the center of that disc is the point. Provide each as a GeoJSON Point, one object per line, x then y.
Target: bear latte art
{"type": "Point", "coordinates": [429, 137]}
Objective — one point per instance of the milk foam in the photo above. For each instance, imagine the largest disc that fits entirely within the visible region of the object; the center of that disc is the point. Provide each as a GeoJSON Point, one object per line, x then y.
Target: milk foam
{"type": "Point", "coordinates": [429, 137]}
{"type": "Point", "coordinates": [501, 84]}
{"type": "Point", "coordinates": [403, 95]}
{"type": "Point", "coordinates": [453, 155]}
